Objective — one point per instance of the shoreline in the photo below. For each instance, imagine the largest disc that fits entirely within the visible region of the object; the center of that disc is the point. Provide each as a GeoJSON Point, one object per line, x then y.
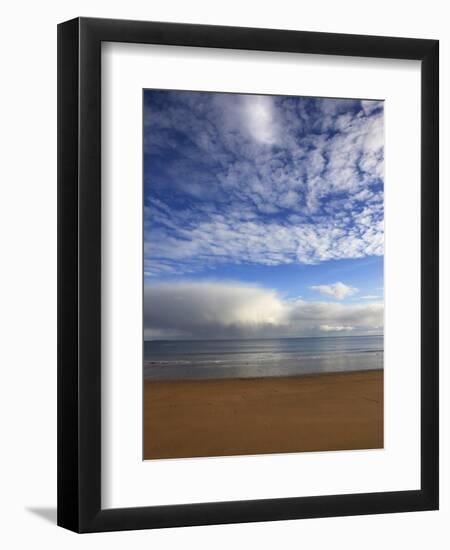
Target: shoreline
{"type": "Point", "coordinates": [269, 377]}
{"type": "Point", "coordinates": [248, 416]}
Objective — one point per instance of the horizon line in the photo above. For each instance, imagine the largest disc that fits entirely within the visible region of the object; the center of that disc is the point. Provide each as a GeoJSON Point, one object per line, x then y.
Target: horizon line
{"type": "Point", "coordinates": [250, 339]}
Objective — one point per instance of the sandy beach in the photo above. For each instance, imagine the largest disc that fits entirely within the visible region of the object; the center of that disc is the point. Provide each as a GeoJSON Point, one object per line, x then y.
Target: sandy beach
{"type": "Point", "coordinates": [323, 412]}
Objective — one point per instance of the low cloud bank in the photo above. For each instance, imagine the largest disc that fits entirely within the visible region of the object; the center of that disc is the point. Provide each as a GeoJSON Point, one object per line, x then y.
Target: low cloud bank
{"type": "Point", "coordinates": [196, 310]}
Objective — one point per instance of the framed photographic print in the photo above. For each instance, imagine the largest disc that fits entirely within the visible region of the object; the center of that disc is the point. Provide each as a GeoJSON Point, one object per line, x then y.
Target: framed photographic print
{"type": "Point", "coordinates": [248, 275]}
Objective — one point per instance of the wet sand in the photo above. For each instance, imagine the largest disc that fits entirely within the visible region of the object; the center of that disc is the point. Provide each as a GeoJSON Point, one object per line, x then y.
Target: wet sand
{"type": "Point", "coordinates": [323, 412]}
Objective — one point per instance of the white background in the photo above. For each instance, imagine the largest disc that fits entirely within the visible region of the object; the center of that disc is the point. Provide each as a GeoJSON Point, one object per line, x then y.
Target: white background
{"type": "Point", "coordinates": [129, 481]}
{"type": "Point", "coordinates": [28, 290]}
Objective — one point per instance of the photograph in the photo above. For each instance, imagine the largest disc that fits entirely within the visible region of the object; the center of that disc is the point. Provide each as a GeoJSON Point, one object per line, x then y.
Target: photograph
{"type": "Point", "coordinates": [263, 278]}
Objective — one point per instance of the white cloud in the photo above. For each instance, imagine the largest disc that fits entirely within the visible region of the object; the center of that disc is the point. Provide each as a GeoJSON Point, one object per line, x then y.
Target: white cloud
{"type": "Point", "coordinates": [219, 239]}
{"type": "Point", "coordinates": [369, 106]}
{"type": "Point", "coordinates": [259, 119]}
{"type": "Point", "coordinates": [335, 328]}
{"type": "Point", "coordinates": [213, 309]}
{"type": "Point", "coordinates": [370, 297]}
{"type": "Point", "coordinates": [337, 290]}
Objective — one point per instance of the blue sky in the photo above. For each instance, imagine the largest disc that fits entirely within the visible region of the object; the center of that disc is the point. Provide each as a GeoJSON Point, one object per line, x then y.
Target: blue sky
{"type": "Point", "coordinates": [269, 207]}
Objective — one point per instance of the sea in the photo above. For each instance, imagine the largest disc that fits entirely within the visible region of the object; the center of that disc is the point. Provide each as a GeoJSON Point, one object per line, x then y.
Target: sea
{"type": "Point", "coordinates": [214, 359]}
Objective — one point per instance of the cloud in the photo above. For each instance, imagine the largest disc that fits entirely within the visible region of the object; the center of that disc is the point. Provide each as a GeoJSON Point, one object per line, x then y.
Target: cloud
{"type": "Point", "coordinates": [212, 309]}
{"type": "Point", "coordinates": [233, 239]}
{"type": "Point", "coordinates": [259, 118]}
{"type": "Point", "coordinates": [233, 178]}
{"type": "Point", "coordinates": [370, 297]}
{"type": "Point", "coordinates": [337, 290]}
{"type": "Point", "coordinates": [369, 106]}
{"type": "Point", "coordinates": [335, 328]}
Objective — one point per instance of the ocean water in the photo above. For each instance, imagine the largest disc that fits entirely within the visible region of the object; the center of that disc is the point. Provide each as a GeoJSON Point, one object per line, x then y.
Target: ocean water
{"type": "Point", "coordinates": [170, 360]}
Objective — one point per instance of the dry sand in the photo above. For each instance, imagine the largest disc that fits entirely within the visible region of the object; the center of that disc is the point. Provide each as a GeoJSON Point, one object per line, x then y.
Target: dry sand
{"type": "Point", "coordinates": [266, 415]}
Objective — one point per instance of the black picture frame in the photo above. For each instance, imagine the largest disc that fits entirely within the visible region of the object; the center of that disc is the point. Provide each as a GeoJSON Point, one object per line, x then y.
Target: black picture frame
{"type": "Point", "coordinates": [79, 274]}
